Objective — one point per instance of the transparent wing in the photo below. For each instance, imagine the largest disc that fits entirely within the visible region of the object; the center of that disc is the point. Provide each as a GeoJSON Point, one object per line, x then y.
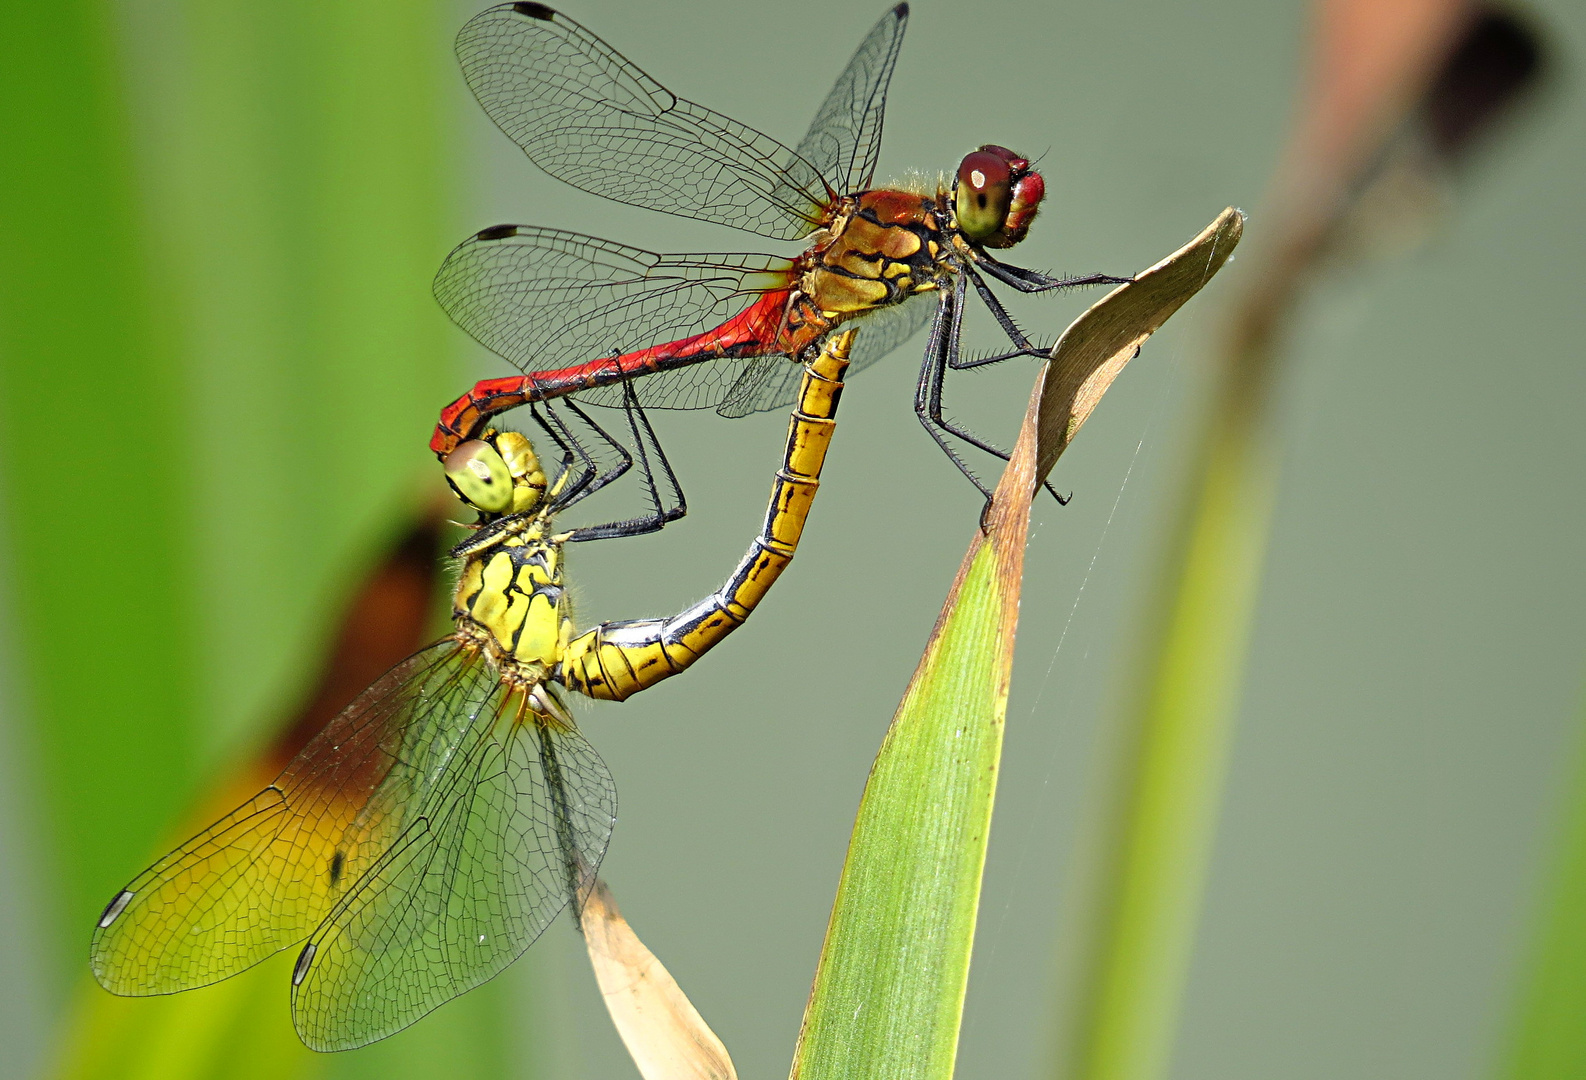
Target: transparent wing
{"type": "Point", "coordinates": [771, 382]}
{"type": "Point", "coordinates": [586, 115]}
{"type": "Point", "coordinates": [887, 329]}
{"type": "Point", "coordinates": [259, 879]}
{"type": "Point", "coordinates": [762, 384]}
{"type": "Point", "coordinates": [507, 830]}
{"type": "Point", "coordinates": [707, 385]}
{"type": "Point", "coordinates": [544, 298]}
{"type": "Point", "coordinates": [844, 141]}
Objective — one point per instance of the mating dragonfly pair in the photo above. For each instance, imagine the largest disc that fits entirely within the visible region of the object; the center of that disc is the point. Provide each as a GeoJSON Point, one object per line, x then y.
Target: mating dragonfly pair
{"type": "Point", "coordinates": [424, 839]}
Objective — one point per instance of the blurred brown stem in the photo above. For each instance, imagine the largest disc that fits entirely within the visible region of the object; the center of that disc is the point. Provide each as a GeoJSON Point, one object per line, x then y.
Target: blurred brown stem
{"type": "Point", "coordinates": [1414, 80]}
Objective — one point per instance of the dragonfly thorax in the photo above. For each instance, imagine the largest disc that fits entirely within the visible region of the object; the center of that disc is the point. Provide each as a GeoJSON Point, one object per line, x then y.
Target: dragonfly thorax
{"type": "Point", "coordinates": [509, 598]}
{"type": "Point", "coordinates": [512, 592]}
{"type": "Point", "coordinates": [881, 248]}
{"type": "Point", "coordinates": [884, 246]}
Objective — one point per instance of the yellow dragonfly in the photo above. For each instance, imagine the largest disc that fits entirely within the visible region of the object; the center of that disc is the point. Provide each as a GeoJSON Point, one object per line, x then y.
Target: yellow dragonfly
{"type": "Point", "coordinates": [426, 837]}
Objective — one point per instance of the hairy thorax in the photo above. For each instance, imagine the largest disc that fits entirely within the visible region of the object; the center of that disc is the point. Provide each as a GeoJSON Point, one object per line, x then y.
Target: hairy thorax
{"type": "Point", "coordinates": [881, 248]}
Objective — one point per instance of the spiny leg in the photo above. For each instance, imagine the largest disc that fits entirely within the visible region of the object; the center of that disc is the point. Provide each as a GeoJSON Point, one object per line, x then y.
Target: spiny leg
{"type": "Point", "coordinates": [942, 354]}
{"type": "Point", "coordinates": [927, 392]}
{"type": "Point", "coordinates": [572, 450]}
{"type": "Point", "coordinates": [598, 476]}
{"type": "Point", "coordinates": [639, 425]}
{"type": "Point", "coordinates": [1031, 281]}
{"type": "Point", "coordinates": [1026, 281]}
{"type": "Point", "coordinates": [1022, 345]}
{"type": "Point", "coordinates": [592, 476]}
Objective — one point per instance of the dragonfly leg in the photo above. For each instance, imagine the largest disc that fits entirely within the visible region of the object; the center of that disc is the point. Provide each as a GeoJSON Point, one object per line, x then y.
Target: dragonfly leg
{"type": "Point", "coordinates": [928, 391]}
{"type": "Point", "coordinates": [646, 444]}
{"type": "Point", "coordinates": [597, 477]}
{"type": "Point", "coordinates": [942, 354]}
{"type": "Point", "coordinates": [568, 492]}
{"type": "Point", "coordinates": [1022, 344]}
{"type": "Point", "coordinates": [1031, 281]}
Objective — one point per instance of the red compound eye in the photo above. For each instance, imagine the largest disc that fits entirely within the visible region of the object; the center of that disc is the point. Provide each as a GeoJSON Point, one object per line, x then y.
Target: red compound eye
{"type": "Point", "coordinates": [1028, 191]}
{"type": "Point", "coordinates": [985, 189]}
{"type": "Point", "coordinates": [983, 172]}
{"type": "Point", "coordinates": [1014, 162]}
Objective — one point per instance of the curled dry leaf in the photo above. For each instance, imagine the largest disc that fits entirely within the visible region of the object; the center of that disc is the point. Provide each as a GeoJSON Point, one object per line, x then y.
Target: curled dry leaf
{"type": "Point", "coordinates": [1095, 348]}
{"type": "Point", "coordinates": [663, 1032]}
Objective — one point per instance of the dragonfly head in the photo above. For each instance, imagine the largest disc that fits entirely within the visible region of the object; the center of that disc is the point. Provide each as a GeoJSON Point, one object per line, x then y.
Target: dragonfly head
{"type": "Point", "coordinates": [498, 474]}
{"type": "Point", "coordinates": [997, 197]}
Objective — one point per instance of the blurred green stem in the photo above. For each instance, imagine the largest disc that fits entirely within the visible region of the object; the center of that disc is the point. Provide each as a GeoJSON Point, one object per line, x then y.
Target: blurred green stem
{"type": "Point", "coordinates": [1144, 862]}
{"type": "Point", "coordinates": [91, 434]}
{"type": "Point", "coordinates": [1140, 908]}
{"type": "Point", "coordinates": [1547, 1040]}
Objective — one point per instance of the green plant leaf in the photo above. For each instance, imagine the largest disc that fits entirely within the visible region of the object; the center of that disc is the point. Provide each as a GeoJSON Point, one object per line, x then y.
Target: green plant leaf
{"type": "Point", "coordinates": [219, 362]}
{"type": "Point", "coordinates": [889, 991]}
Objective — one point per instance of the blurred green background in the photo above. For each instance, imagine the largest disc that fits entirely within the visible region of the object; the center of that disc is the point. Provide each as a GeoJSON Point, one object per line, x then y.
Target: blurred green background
{"type": "Point", "coordinates": [219, 365]}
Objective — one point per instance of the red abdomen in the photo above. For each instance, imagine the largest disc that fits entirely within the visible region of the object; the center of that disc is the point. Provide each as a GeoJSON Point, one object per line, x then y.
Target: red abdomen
{"type": "Point", "coordinates": [762, 328]}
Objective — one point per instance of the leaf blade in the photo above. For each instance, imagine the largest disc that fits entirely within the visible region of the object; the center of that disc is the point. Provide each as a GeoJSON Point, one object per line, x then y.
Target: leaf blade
{"type": "Point", "coordinates": [889, 990]}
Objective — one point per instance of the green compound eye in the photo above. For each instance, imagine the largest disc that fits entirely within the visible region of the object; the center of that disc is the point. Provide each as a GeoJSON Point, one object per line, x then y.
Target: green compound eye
{"type": "Point", "coordinates": [479, 476]}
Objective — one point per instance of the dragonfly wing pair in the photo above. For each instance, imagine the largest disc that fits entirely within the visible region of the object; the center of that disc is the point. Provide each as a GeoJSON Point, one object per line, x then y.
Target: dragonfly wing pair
{"type": "Point", "coordinates": [588, 116]}
{"type": "Point", "coordinates": [547, 298]}
{"type": "Point", "coordinates": [420, 843]}
{"type": "Point", "coordinates": [544, 298]}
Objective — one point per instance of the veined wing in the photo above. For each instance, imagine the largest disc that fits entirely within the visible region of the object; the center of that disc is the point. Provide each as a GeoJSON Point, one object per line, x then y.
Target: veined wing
{"type": "Point", "coordinates": [513, 827]}
{"type": "Point", "coordinates": [544, 298]}
{"type": "Point", "coordinates": [586, 115]}
{"type": "Point", "coordinates": [771, 383]}
{"type": "Point", "coordinates": [260, 879]}
{"type": "Point", "coordinates": [885, 330]}
{"type": "Point", "coordinates": [844, 141]}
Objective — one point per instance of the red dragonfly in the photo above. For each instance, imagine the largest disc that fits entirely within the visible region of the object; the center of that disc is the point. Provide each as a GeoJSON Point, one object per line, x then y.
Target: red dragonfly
{"type": "Point", "coordinates": [576, 314]}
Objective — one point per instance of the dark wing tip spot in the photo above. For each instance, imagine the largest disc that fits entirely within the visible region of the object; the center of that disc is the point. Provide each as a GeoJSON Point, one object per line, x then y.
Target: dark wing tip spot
{"type": "Point", "coordinates": [902, 10]}
{"type": "Point", "coordinates": [496, 232]}
{"type": "Point", "coordinates": [534, 11]}
{"type": "Point", "coordinates": [114, 908]}
{"type": "Point", "coordinates": [304, 959]}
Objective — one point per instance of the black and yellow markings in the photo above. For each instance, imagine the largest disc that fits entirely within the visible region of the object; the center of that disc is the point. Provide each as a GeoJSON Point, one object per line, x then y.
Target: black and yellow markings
{"type": "Point", "coordinates": [616, 660]}
{"type": "Point", "coordinates": [872, 261]}
{"type": "Point", "coordinates": [515, 593]}
{"type": "Point", "coordinates": [510, 598]}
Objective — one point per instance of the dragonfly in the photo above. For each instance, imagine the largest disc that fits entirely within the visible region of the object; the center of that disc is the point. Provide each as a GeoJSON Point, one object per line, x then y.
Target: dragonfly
{"type": "Point", "coordinates": [581, 315]}
{"type": "Point", "coordinates": [429, 834]}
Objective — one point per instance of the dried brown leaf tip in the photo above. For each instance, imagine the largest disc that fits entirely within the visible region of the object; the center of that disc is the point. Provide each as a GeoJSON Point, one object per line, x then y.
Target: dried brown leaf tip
{"type": "Point", "coordinates": [662, 1030]}
{"type": "Point", "coordinates": [1095, 348]}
